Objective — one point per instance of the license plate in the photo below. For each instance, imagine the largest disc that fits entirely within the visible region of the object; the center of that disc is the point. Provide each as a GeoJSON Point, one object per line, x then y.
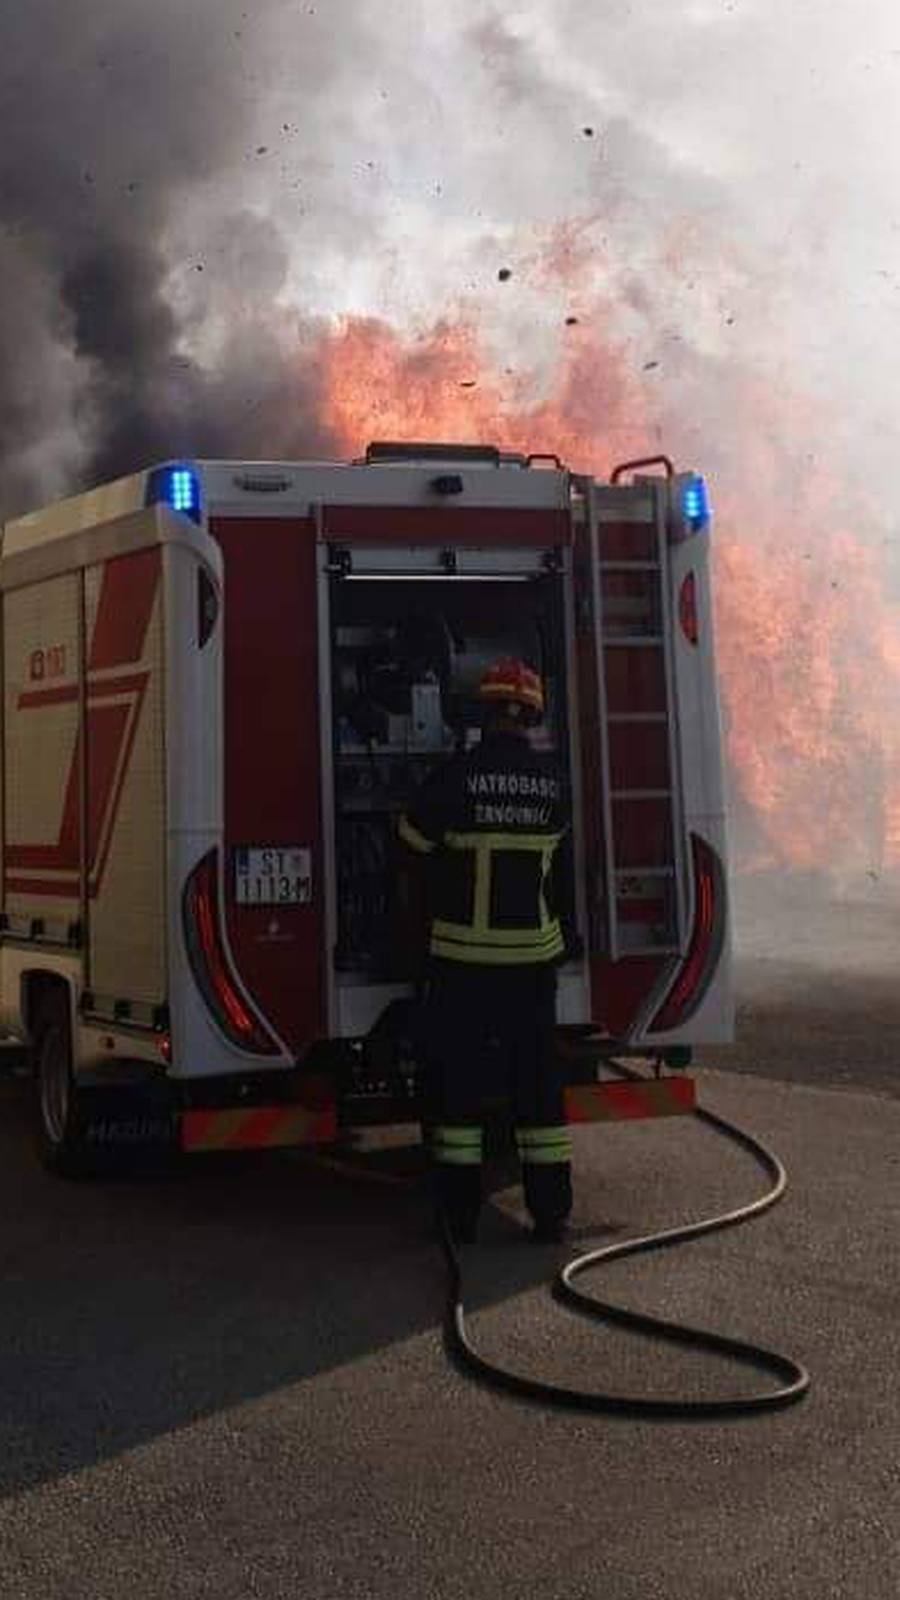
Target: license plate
{"type": "Point", "coordinates": [274, 875]}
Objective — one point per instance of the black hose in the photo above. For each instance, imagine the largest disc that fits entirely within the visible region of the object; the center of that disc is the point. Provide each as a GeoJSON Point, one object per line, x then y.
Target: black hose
{"type": "Point", "coordinates": [793, 1378]}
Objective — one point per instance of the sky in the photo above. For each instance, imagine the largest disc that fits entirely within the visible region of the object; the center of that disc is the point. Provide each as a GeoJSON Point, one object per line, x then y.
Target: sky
{"type": "Point", "coordinates": [198, 204]}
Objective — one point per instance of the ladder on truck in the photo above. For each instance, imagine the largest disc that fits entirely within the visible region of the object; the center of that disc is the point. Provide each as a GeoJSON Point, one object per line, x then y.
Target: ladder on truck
{"type": "Point", "coordinates": [643, 852]}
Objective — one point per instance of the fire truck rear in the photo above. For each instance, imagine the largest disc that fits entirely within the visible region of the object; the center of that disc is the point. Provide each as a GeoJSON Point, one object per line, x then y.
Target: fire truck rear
{"type": "Point", "coordinates": [222, 682]}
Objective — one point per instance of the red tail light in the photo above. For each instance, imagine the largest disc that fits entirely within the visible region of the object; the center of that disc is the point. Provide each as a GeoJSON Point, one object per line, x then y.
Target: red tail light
{"type": "Point", "coordinates": [687, 609]}
{"type": "Point", "coordinates": [706, 940]}
{"type": "Point", "coordinates": [210, 966]}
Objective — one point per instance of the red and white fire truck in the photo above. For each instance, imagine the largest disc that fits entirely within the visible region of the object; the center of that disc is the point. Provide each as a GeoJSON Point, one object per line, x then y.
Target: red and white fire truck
{"type": "Point", "coordinates": [222, 681]}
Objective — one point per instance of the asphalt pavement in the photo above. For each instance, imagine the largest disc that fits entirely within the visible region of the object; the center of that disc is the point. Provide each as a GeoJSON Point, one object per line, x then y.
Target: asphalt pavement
{"type": "Point", "coordinates": [229, 1381]}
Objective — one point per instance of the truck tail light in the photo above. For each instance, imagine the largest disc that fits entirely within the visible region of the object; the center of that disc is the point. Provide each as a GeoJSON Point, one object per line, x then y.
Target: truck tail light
{"type": "Point", "coordinates": [210, 964]}
{"type": "Point", "coordinates": [687, 609]}
{"type": "Point", "coordinates": [705, 947]}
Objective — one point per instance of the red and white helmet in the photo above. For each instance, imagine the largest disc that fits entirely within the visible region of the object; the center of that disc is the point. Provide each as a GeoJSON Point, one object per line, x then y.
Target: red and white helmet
{"type": "Point", "coordinates": [512, 682]}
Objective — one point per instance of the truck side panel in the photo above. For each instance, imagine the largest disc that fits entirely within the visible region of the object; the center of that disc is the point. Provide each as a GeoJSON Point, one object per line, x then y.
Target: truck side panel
{"type": "Point", "coordinates": [126, 780]}
{"type": "Point", "coordinates": [711, 1019]}
{"type": "Point", "coordinates": [43, 766]}
{"type": "Point", "coordinates": [272, 770]}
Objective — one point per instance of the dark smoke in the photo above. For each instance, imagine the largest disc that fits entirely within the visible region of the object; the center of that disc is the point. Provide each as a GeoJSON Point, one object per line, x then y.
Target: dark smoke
{"type": "Point", "coordinates": [114, 115]}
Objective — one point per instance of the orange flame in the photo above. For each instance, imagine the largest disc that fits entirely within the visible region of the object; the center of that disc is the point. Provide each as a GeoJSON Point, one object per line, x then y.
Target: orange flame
{"type": "Point", "coordinates": [807, 640]}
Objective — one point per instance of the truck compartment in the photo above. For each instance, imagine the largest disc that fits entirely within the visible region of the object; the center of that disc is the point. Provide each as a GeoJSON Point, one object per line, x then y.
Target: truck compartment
{"type": "Point", "coordinates": [407, 656]}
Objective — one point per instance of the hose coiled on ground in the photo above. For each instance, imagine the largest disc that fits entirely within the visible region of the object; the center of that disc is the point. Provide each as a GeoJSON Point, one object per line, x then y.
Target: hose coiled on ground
{"type": "Point", "coordinates": [793, 1378]}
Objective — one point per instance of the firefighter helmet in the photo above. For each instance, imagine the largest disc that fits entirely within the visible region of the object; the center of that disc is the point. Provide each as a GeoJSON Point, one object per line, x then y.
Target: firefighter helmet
{"type": "Point", "coordinates": [511, 682]}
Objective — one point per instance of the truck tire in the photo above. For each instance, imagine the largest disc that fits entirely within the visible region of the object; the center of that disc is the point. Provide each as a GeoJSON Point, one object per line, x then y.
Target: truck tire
{"type": "Point", "coordinates": [59, 1124]}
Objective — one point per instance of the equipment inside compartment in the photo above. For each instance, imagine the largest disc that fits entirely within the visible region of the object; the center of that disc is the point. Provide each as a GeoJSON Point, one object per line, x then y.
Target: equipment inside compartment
{"type": "Point", "coordinates": [407, 659]}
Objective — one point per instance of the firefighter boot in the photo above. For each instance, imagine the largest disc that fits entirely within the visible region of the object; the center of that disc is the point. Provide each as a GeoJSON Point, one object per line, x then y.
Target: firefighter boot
{"type": "Point", "coordinates": [456, 1172]}
{"type": "Point", "coordinates": [548, 1196]}
{"type": "Point", "coordinates": [547, 1179]}
{"type": "Point", "coordinates": [458, 1196]}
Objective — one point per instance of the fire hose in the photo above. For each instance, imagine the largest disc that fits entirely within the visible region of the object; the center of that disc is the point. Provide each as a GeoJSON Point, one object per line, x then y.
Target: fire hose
{"type": "Point", "coordinates": [793, 1380]}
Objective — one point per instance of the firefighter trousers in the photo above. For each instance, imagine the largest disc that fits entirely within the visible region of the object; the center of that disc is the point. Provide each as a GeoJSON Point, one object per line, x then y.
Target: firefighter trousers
{"type": "Point", "coordinates": [489, 1034]}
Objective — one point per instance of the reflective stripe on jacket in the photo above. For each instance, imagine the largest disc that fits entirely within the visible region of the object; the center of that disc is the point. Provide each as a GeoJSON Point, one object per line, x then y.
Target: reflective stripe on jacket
{"type": "Point", "coordinates": [490, 823]}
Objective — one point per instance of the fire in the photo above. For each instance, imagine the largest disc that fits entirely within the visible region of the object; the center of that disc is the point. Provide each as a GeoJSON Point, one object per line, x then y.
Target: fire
{"type": "Point", "coordinates": [807, 639]}
{"type": "Point", "coordinates": [440, 386]}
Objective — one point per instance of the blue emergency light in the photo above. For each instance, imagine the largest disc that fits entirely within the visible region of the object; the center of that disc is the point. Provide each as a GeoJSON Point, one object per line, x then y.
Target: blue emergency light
{"type": "Point", "coordinates": [175, 486]}
{"type": "Point", "coordinates": [695, 506]}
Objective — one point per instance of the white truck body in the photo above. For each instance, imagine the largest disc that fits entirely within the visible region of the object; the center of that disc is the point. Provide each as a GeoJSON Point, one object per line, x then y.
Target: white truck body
{"type": "Point", "coordinates": [177, 650]}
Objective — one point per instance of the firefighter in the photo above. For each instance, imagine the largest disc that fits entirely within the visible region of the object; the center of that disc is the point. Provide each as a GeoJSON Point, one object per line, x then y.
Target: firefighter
{"type": "Point", "coordinates": [487, 826]}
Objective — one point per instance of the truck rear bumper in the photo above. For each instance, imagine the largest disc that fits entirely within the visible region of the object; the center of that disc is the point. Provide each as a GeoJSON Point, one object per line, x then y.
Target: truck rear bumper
{"type": "Point", "coordinates": [314, 1109]}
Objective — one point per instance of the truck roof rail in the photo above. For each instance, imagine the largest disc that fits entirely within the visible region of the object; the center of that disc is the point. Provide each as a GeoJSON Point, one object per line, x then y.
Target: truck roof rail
{"type": "Point", "coordinates": [644, 461]}
{"type": "Point", "coordinates": [389, 450]}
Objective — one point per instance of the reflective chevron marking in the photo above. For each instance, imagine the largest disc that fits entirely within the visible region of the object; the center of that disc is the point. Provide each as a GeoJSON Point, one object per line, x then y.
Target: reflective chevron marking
{"type": "Point", "coordinates": [617, 1102]}
{"type": "Point", "coordinates": [257, 1127]}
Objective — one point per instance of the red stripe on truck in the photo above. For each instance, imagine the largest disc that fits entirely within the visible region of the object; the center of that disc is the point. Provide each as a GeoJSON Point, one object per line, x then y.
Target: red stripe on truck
{"type": "Point", "coordinates": [124, 609]}
{"type": "Point", "coordinates": [62, 694]}
{"type": "Point", "coordinates": [125, 605]}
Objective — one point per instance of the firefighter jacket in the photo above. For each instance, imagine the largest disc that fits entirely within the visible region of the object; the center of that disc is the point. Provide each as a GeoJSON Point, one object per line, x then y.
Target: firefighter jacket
{"type": "Point", "coordinates": [490, 823]}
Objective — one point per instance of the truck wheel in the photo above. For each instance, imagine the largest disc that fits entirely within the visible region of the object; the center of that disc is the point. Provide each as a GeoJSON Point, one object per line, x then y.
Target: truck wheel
{"type": "Point", "coordinates": [58, 1121]}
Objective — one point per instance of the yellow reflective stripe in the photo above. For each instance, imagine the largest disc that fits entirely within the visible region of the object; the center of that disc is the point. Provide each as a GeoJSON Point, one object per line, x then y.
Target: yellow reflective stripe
{"type": "Point", "coordinates": [501, 841]}
{"type": "Point", "coordinates": [542, 946]}
{"type": "Point", "coordinates": [486, 955]}
{"type": "Point", "coordinates": [482, 846]}
{"type": "Point", "coordinates": [546, 1147]}
{"type": "Point", "coordinates": [524, 938]}
{"type": "Point", "coordinates": [546, 865]}
{"type": "Point", "coordinates": [547, 1135]}
{"type": "Point", "coordinates": [457, 1147]}
{"type": "Point", "coordinates": [411, 836]}
{"type": "Point", "coordinates": [546, 1158]}
{"type": "Point", "coordinates": [481, 908]}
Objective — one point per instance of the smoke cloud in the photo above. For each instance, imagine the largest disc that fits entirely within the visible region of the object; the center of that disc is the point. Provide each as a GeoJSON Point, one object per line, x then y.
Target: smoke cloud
{"type": "Point", "coordinates": [673, 217]}
{"type": "Point", "coordinates": [125, 129]}
{"type": "Point", "coordinates": [187, 198]}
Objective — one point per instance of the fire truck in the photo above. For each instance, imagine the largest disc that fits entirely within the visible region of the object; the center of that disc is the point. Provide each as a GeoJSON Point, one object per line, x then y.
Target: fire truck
{"type": "Point", "coordinates": [223, 681]}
